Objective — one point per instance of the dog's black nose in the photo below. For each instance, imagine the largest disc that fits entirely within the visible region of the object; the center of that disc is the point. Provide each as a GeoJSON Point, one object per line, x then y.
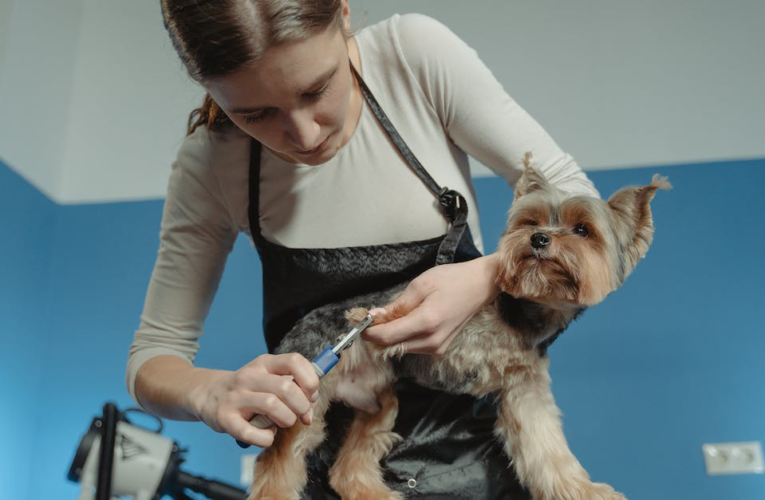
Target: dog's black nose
{"type": "Point", "coordinates": [540, 240]}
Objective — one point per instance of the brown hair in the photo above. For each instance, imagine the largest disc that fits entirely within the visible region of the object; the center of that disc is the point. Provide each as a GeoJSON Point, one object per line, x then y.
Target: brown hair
{"type": "Point", "coordinates": [214, 38]}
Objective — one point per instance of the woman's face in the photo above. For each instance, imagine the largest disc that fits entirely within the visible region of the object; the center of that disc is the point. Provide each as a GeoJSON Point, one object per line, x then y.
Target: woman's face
{"type": "Point", "coordinates": [295, 100]}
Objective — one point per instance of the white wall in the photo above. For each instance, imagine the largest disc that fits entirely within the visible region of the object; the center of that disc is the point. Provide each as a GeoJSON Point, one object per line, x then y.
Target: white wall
{"type": "Point", "coordinates": [36, 87]}
{"type": "Point", "coordinates": [6, 9]}
{"type": "Point", "coordinates": [93, 101]}
{"type": "Point", "coordinates": [130, 104]}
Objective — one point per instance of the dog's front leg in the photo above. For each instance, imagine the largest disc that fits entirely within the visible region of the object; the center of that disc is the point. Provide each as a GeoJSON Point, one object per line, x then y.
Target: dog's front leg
{"type": "Point", "coordinates": [529, 423]}
{"type": "Point", "coordinates": [280, 471]}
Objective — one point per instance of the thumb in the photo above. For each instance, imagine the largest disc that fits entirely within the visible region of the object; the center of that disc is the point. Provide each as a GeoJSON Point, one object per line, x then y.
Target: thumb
{"type": "Point", "coordinates": [402, 305]}
{"type": "Point", "coordinates": [391, 322]}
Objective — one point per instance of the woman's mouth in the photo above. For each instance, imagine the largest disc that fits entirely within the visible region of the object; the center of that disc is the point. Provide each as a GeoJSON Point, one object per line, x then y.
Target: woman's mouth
{"type": "Point", "coordinates": [315, 150]}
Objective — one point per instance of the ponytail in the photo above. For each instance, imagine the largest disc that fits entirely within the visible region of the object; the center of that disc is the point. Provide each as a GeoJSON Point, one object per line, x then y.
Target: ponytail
{"type": "Point", "coordinates": [209, 115]}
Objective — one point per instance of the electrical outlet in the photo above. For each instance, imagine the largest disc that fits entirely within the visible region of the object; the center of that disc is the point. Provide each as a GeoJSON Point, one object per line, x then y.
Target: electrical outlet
{"type": "Point", "coordinates": [733, 458]}
{"type": "Point", "coordinates": [248, 470]}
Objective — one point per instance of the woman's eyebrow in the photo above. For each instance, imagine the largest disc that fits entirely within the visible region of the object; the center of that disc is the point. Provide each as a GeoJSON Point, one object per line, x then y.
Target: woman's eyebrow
{"type": "Point", "coordinates": [321, 79]}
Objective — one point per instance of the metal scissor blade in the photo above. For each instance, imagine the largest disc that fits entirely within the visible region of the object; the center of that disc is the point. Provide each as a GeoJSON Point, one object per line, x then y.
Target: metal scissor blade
{"type": "Point", "coordinates": [351, 336]}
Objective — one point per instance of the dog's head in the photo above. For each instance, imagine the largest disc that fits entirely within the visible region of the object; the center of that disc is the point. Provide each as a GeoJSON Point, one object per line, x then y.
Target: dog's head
{"type": "Point", "coordinates": [559, 248]}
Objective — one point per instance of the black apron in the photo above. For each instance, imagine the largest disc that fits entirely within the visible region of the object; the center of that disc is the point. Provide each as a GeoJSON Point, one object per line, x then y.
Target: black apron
{"type": "Point", "coordinates": [449, 449]}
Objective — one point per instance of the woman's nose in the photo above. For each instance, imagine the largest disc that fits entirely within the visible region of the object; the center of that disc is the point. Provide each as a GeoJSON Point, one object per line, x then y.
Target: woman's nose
{"type": "Point", "coordinates": [302, 130]}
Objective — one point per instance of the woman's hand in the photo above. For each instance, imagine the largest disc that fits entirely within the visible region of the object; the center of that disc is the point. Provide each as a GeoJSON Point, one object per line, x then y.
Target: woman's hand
{"type": "Point", "coordinates": [437, 305]}
{"type": "Point", "coordinates": [282, 386]}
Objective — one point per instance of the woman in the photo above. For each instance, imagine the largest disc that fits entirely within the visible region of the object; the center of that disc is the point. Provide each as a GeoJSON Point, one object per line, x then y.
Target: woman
{"type": "Point", "coordinates": [289, 147]}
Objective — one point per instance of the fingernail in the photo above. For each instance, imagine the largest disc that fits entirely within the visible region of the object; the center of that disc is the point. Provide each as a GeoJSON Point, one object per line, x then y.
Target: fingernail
{"type": "Point", "coordinates": [310, 416]}
{"type": "Point", "coordinates": [315, 396]}
{"type": "Point", "coordinates": [376, 311]}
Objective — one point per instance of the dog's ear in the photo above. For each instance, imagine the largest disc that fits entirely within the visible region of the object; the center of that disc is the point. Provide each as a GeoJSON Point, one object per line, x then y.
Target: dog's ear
{"type": "Point", "coordinates": [633, 220]}
{"type": "Point", "coordinates": [531, 179]}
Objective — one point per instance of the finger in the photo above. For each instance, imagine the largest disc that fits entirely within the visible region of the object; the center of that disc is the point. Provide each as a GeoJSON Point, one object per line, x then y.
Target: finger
{"type": "Point", "coordinates": [297, 366]}
{"type": "Point", "coordinates": [270, 405]}
{"type": "Point", "coordinates": [286, 392]}
{"type": "Point", "coordinates": [419, 322]}
{"type": "Point", "coordinates": [428, 344]}
{"type": "Point", "coordinates": [410, 298]}
{"type": "Point", "coordinates": [402, 307]}
{"type": "Point", "coordinates": [244, 431]}
{"type": "Point", "coordinates": [416, 345]}
{"type": "Point", "coordinates": [441, 346]}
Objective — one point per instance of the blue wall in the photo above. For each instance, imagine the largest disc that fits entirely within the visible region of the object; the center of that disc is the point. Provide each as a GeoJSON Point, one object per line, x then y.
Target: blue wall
{"type": "Point", "coordinates": [27, 224]}
{"type": "Point", "coordinates": [670, 361]}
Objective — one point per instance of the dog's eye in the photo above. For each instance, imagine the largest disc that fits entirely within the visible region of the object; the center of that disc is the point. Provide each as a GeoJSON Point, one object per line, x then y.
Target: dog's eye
{"type": "Point", "coordinates": [531, 223]}
{"type": "Point", "coordinates": [581, 230]}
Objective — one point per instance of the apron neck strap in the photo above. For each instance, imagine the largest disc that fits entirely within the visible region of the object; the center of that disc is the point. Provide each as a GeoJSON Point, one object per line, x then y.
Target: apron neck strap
{"type": "Point", "coordinates": [453, 204]}
{"type": "Point", "coordinates": [447, 198]}
{"type": "Point", "coordinates": [253, 209]}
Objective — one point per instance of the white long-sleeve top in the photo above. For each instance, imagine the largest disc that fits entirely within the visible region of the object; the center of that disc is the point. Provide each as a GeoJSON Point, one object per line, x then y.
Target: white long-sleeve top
{"type": "Point", "coordinates": [445, 104]}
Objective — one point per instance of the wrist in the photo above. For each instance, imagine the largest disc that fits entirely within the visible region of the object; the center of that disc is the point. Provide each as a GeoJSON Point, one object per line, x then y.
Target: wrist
{"type": "Point", "coordinates": [488, 268]}
{"type": "Point", "coordinates": [200, 390]}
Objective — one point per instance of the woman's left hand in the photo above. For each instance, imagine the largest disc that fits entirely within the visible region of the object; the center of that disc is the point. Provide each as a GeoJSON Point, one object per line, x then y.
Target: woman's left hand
{"type": "Point", "coordinates": [436, 306]}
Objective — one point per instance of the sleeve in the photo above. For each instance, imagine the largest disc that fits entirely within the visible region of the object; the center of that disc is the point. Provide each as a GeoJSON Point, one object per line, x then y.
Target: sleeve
{"type": "Point", "coordinates": [196, 236]}
{"type": "Point", "coordinates": [477, 113]}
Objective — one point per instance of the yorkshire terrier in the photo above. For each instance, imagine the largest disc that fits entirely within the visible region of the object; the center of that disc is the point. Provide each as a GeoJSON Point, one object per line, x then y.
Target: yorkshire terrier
{"type": "Point", "coordinates": [559, 254]}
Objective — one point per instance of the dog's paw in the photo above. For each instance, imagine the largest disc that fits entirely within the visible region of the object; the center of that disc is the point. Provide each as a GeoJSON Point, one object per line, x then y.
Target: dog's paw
{"type": "Point", "coordinates": [356, 315]}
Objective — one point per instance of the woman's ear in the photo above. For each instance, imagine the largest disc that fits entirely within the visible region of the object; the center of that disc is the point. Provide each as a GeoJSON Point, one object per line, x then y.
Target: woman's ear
{"type": "Point", "coordinates": [345, 10]}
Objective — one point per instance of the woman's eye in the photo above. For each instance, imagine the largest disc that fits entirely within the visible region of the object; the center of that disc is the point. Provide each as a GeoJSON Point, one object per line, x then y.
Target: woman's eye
{"type": "Point", "coordinates": [319, 93]}
{"type": "Point", "coordinates": [581, 230]}
{"type": "Point", "coordinates": [257, 117]}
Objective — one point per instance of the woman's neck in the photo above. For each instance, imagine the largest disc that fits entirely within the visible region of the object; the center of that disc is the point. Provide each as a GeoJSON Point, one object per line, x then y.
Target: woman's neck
{"type": "Point", "coordinates": [356, 100]}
